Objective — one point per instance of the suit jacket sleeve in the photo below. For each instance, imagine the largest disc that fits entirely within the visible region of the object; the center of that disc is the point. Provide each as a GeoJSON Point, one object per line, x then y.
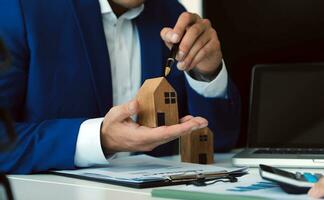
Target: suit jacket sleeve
{"type": "Point", "coordinates": [41, 145]}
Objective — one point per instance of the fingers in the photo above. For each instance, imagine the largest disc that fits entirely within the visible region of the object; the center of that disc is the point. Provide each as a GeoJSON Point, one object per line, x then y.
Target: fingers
{"type": "Point", "coordinates": [317, 191]}
{"type": "Point", "coordinates": [185, 62]}
{"type": "Point", "coordinates": [174, 131]}
{"type": "Point", "coordinates": [172, 36]}
{"type": "Point", "coordinates": [186, 118]}
{"type": "Point", "coordinates": [206, 54]}
{"type": "Point", "coordinates": [149, 138]}
{"type": "Point", "coordinates": [124, 111]}
{"type": "Point", "coordinates": [169, 36]}
{"type": "Point", "coordinates": [129, 136]}
{"type": "Point", "coordinates": [198, 40]}
{"type": "Point", "coordinates": [192, 35]}
{"type": "Point", "coordinates": [185, 20]}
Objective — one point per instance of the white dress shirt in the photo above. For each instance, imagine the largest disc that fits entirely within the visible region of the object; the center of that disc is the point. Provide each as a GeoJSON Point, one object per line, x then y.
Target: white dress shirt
{"type": "Point", "coordinates": [125, 61]}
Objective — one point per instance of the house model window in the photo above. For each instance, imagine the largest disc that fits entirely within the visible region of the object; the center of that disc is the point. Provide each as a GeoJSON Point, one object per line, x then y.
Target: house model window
{"type": "Point", "coordinates": [197, 147]}
{"type": "Point", "coordinates": [170, 98]}
{"type": "Point", "coordinates": [158, 103]}
{"type": "Point", "coordinates": [203, 138]}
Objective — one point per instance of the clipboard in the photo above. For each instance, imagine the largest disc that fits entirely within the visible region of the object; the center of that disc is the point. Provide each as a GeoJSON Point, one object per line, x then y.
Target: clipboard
{"type": "Point", "coordinates": [144, 171]}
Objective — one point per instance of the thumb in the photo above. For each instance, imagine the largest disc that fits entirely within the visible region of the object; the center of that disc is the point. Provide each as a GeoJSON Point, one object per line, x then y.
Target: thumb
{"type": "Point", "coordinates": [124, 111]}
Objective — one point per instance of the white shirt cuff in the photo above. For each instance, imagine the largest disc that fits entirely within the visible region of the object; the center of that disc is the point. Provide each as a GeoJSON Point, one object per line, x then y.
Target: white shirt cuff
{"type": "Point", "coordinates": [215, 88]}
{"type": "Point", "coordinates": [88, 148]}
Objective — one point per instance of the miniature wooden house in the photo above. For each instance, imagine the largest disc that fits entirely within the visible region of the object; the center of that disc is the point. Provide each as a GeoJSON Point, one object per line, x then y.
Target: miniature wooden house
{"type": "Point", "coordinates": [158, 103]}
{"type": "Point", "coordinates": [198, 147]}
{"type": "Point", "coordinates": [159, 106]}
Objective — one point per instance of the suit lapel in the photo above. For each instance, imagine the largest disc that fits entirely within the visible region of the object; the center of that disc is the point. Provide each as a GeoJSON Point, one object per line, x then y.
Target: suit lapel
{"type": "Point", "coordinates": [90, 21]}
{"type": "Point", "coordinates": [89, 18]}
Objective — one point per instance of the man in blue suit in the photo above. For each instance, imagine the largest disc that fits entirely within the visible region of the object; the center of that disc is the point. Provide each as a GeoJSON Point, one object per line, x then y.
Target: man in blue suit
{"type": "Point", "coordinates": [75, 61]}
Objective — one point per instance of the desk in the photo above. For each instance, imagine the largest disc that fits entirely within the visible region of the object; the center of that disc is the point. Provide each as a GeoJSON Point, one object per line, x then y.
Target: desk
{"type": "Point", "coordinates": [53, 187]}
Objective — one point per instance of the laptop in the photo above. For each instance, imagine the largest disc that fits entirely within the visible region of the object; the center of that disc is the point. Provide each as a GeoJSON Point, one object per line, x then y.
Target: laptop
{"type": "Point", "coordinates": [286, 118]}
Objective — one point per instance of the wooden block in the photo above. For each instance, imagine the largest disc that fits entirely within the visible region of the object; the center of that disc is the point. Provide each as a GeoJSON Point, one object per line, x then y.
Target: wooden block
{"type": "Point", "coordinates": [198, 147]}
{"type": "Point", "coordinates": [158, 103]}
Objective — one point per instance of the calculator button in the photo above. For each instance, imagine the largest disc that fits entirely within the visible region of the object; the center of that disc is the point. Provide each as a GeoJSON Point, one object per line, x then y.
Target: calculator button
{"type": "Point", "coordinates": [310, 178]}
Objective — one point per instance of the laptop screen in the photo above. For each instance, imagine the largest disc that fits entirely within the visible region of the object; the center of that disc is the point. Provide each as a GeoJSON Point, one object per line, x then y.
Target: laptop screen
{"type": "Point", "coordinates": [287, 106]}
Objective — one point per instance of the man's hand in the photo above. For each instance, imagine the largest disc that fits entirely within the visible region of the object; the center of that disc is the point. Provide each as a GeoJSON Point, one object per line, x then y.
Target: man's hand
{"type": "Point", "coordinates": [120, 133]}
{"type": "Point", "coordinates": [199, 47]}
{"type": "Point", "coordinates": [317, 191]}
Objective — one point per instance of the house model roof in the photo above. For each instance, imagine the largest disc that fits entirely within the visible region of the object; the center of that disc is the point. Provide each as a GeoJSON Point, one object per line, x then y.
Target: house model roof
{"type": "Point", "coordinates": [151, 85]}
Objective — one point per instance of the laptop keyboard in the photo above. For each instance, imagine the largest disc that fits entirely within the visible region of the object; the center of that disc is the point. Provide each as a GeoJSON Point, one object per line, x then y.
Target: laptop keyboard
{"type": "Point", "coordinates": [289, 151]}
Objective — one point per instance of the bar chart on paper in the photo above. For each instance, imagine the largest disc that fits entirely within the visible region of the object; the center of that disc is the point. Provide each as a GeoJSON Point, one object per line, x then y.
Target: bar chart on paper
{"type": "Point", "coordinates": [250, 186]}
{"type": "Point", "coordinates": [255, 186]}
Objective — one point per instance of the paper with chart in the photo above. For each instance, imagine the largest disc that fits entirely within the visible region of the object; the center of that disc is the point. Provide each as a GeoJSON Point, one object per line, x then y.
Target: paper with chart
{"type": "Point", "coordinates": [143, 168]}
{"type": "Point", "coordinates": [248, 185]}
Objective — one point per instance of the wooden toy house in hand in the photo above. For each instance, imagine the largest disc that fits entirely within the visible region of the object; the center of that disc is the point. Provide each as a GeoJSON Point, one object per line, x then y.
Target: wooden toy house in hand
{"type": "Point", "coordinates": [158, 103]}
{"type": "Point", "coordinates": [159, 106]}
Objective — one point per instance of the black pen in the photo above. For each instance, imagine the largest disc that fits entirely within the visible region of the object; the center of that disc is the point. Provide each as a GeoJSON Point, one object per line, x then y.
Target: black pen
{"type": "Point", "coordinates": [171, 59]}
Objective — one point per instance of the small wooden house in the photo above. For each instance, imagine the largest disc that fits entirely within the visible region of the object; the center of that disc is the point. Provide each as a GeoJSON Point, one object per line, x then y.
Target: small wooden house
{"type": "Point", "coordinates": [158, 103]}
{"type": "Point", "coordinates": [198, 147]}
{"type": "Point", "coordinates": [159, 106]}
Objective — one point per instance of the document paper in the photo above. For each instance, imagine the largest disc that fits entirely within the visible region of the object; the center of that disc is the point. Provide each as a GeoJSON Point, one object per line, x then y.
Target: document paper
{"type": "Point", "coordinates": [142, 168]}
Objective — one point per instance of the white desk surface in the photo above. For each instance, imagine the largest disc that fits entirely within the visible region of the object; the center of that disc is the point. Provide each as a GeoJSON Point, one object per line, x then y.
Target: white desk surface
{"type": "Point", "coordinates": [53, 187]}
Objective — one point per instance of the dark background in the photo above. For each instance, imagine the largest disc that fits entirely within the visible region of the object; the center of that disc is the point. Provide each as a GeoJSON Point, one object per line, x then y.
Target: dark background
{"type": "Point", "coordinates": [265, 31]}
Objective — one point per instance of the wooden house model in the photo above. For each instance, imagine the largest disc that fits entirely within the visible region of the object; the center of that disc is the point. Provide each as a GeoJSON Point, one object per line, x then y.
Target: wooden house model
{"type": "Point", "coordinates": [159, 106]}
{"type": "Point", "coordinates": [198, 147]}
{"type": "Point", "coordinates": [158, 103]}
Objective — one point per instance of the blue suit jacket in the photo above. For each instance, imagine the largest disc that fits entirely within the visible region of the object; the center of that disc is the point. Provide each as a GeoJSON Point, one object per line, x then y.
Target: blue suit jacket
{"type": "Point", "coordinates": [60, 76]}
